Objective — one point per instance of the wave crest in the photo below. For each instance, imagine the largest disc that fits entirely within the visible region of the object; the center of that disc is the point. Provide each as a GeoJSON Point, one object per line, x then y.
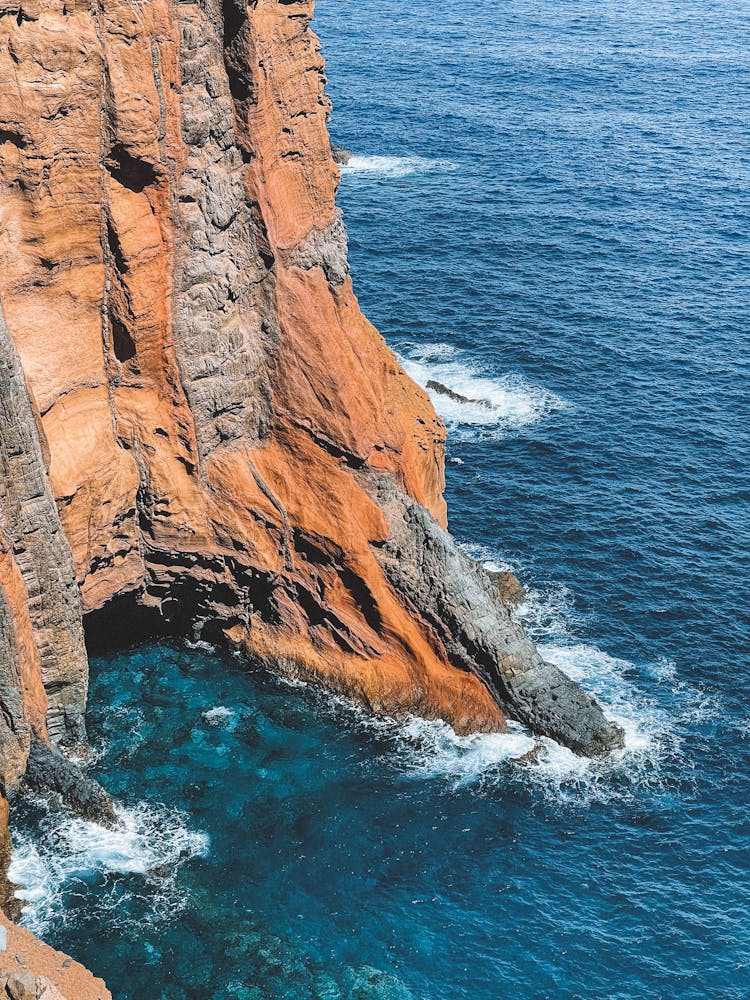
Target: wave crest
{"type": "Point", "coordinates": [395, 166]}
{"type": "Point", "coordinates": [470, 400]}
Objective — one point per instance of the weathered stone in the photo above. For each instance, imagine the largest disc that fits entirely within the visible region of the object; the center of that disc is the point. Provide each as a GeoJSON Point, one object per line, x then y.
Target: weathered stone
{"type": "Point", "coordinates": [21, 985]}
{"type": "Point", "coordinates": [340, 155]}
{"type": "Point", "coordinates": [49, 771]}
{"type": "Point", "coordinates": [512, 592]}
{"type": "Point", "coordinates": [37, 574]}
{"type": "Point", "coordinates": [459, 601]}
{"type": "Point", "coordinates": [53, 978]}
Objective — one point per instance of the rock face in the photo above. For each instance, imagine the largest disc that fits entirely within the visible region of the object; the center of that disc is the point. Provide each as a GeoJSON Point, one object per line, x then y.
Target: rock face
{"type": "Point", "coordinates": [29, 970]}
{"type": "Point", "coordinates": [460, 603]}
{"type": "Point", "coordinates": [199, 431]}
{"type": "Point", "coordinates": [48, 770]}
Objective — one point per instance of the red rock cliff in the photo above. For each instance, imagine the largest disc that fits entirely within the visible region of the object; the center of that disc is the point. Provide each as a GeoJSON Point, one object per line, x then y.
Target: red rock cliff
{"type": "Point", "coordinates": [199, 431]}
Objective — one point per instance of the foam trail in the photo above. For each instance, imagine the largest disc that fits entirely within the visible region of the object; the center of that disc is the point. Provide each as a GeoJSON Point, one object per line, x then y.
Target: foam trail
{"type": "Point", "coordinates": [219, 715]}
{"type": "Point", "coordinates": [395, 166]}
{"type": "Point", "coordinates": [472, 401]}
{"type": "Point", "coordinates": [437, 751]}
{"type": "Point", "coordinates": [151, 841]}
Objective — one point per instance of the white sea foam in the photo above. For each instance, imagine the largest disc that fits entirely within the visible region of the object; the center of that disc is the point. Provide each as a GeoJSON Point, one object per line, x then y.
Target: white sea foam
{"type": "Point", "coordinates": [150, 840]}
{"type": "Point", "coordinates": [652, 704]}
{"type": "Point", "coordinates": [438, 751]}
{"type": "Point", "coordinates": [490, 405]}
{"type": "Point", "coordinates": [219, 715]}
{"type": "Point", "coordinates": [395, 166]}
{"type": "Point", "coordinates": [201, 645]}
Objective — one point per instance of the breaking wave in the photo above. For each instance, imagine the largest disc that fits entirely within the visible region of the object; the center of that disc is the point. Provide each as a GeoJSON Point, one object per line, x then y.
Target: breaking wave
{"type": "Point", "coordinates": [140, 857]}
{"type": "Point", "coordinates": [395, 166]}
{"type": "Point", "coordinates": [219, 715]}
{"type": "Point", "coordinates": [472, 401]}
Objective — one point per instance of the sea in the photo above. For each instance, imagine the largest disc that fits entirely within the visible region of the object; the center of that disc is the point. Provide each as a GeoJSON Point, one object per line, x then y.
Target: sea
{"type": "Point", "coordinates": [548, 213]}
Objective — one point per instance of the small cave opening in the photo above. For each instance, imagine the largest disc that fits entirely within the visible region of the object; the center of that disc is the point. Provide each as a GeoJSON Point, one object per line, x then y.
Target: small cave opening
{"type": "Point", "coordinates": [128, 170]}
{"type": "Point", "coordinates": [122, 341]}
{"type": "Point", "coordinates": [122, 623]}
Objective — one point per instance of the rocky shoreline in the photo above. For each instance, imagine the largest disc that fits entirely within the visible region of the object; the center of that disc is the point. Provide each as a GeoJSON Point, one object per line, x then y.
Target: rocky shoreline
{"type": "Point", "coordinates": [200, 433]}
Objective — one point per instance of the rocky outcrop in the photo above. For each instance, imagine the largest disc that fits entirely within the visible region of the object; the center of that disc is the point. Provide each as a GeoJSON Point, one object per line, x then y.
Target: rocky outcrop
{"type": "Point", "coordinates": [200, 431]}
{"type": "Point", "coordinates": [460, 603]}
{"type": "Point", "coordinates": [30, 970]}
{"type": "Point", "coordinates": [47, 770]}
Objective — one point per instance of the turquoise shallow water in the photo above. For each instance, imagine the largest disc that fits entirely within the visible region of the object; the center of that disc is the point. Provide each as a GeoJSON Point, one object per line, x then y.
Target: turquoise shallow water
{"type": "Point", "coordinates": [548, 211]}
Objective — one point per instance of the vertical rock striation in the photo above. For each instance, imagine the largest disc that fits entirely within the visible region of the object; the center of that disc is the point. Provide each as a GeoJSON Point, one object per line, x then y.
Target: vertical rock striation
{"type": "Point", "coordinates": [44, 688]}
{"type": "Point", "coordinates": [199, 430]}
{"type": "Point", "coordinates": [232, 448]}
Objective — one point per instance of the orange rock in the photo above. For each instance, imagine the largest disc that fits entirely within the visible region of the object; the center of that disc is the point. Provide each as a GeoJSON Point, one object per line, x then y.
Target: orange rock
{"type": "Point", "coordinates": [49, 973]}
{"type": "Point", "coordinates": [210, 394]}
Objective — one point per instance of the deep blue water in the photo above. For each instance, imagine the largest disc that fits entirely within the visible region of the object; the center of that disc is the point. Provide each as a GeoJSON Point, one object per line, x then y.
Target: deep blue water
{"type": "Point", "coordinates": [548, 209]}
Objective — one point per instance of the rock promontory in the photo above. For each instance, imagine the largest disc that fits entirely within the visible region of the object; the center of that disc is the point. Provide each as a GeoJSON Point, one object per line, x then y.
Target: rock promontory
{"type": "Point", "coordinates": [200, 433]}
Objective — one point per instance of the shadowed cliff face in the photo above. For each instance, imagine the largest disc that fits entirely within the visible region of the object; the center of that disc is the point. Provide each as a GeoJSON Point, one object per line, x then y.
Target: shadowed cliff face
{"type": "Point", "coordinates": [199, 431]}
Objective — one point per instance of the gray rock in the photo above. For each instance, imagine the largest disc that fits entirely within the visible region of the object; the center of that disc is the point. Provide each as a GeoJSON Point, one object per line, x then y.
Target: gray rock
{"type": "Point", "coordinates": [460, 601]}
{"type": "Point", "coordinates": [326, 248]}
{"type": "Point", "coordinates": [225, 324]}
{"type": "Point", "coordinates": [512, 592]}
{"type": "Point", "coordinates": [340, 155]}
{"type": "Point", "coordinates": [444, 390]}
{"type": "Point", "coordinates": [49, 771]}
{"type": "Point", "coordinates": [21, 985]}
{"type": "Point", "coordinates": [30, 524]}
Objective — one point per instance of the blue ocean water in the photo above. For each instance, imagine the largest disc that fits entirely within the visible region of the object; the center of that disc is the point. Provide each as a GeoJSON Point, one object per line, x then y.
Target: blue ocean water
{"type": "Point", "coordinates": [548, 210]}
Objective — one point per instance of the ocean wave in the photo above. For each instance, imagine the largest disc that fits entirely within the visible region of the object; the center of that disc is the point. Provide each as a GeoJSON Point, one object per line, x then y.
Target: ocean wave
{"type": "Point", "coordinates": [219, 716]}
{"type": "Point", "coordinates": [150, 842]}
{"type": "Point", "coordinates": [395, 166]}
{"type": "Point", "coordinates": [472, 401]}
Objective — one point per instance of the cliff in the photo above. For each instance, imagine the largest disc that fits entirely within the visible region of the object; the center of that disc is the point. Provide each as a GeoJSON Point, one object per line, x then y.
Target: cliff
{"type": "Point", "coordinates": [200, 433]}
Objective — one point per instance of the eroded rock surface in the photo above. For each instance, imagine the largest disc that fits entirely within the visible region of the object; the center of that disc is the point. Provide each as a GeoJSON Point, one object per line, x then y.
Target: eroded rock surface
{"type": "Point", "coordinates": [199, 430]}
{"type": "Point", "coordinates": [30, 970]}
{"type": "Point", "coordinates": [460, 603]}
{"type": "Point", "coordinates": [48, 770]}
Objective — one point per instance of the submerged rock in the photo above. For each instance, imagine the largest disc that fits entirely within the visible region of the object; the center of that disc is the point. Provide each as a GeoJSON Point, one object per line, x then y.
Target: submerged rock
{"type": "Point", "coordinates": [444, 390]}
